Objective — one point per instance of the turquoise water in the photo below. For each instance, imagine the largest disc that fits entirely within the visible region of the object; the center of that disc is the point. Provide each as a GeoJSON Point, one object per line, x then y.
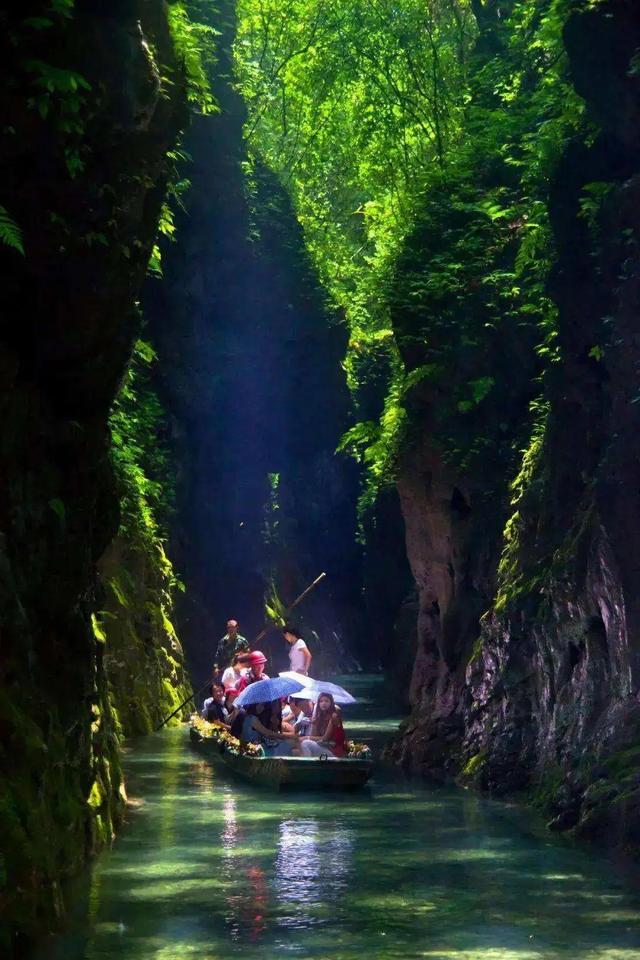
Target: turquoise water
{"type": "Point", "coordinates": [210, 868]}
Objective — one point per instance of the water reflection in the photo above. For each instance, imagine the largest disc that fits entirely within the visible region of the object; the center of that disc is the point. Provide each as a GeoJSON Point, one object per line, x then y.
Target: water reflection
{"type": "Point", "coordinates": [314, 867]}
{"type": "Point", "coordinates": [210, 868]}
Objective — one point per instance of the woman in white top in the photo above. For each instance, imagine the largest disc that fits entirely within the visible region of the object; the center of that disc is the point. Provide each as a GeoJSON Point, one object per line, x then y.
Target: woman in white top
{"type": "Point", "coordinates": [299, 654]}
{"type": "Point", "coordinates": [232, 674]}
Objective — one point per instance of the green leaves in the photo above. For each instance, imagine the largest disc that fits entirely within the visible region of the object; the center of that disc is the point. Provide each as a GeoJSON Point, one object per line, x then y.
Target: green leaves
{"type": "Point", "coordinates": [60, 95]}
{"type": "Point", "coordinates": [195, 45]}
{"type": "Point", "coordinates": [59, 509]}
{"type": "Point", "coordinates": [10, 232]}
{"type": "Point", "coordinates": [478, 389]}
{"type": "Point", "coordinates": [141, 456]}
{"type": "Point", "coordinates": [352, 103]}
{"type": "Point", "coordinates": [54, 79]}
{"type": "Point", "coordinates": [419, 167]}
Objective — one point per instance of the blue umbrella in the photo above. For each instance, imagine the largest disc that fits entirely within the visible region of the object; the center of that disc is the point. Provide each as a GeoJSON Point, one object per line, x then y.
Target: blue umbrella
{"type": "Point", "coordinates": [264, 691]}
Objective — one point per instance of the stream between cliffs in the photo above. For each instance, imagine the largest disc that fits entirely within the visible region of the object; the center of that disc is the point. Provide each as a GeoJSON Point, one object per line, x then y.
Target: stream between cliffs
{"type": "Point", "coordinates": [211, 868]}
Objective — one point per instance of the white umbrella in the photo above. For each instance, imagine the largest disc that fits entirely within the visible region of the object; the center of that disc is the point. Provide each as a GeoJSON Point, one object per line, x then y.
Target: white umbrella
{"type": "Point", "coordinates": [312, 689]}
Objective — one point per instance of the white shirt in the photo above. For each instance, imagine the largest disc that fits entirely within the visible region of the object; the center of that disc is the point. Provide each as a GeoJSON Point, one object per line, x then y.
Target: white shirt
{"type": "Point", "coordinates": [297, 656]}
{"type": "Point", "coordinates": [230, 678]}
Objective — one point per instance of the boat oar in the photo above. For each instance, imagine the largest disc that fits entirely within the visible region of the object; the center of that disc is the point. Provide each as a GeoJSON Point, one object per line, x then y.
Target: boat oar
{"type": "Point", "coordinates": [259, 637]}
{"type": "Point", "coordinates": [185, 702]}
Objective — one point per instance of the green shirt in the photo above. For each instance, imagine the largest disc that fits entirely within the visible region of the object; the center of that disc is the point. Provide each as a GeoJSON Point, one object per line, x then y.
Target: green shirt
{"type": "Point", "coordinates": [227, 648]}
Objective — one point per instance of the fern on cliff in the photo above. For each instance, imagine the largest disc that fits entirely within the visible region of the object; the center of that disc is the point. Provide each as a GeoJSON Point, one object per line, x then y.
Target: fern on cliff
{"type": "Point", "coordinates": [194, 44]}
{"type": "Point", "coordinates": [10, 232]}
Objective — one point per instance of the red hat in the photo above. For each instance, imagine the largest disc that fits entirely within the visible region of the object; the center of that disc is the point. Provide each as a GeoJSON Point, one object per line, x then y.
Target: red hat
{"type": "Point", "coordinates": [257, 656]}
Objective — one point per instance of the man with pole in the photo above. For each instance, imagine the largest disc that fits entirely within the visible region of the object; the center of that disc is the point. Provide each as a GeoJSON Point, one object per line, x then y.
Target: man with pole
{"type": "Point", "coordinates": [229, 645]}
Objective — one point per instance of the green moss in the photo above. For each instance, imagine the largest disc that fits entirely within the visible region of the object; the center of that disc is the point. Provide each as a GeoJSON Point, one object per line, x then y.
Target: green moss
{"type": "Point", "coordinates": [96, 796]}
{"type": "Point", "coordinates": [143, 655]}
{"type": "Point", "coordinates": [623, 764]}
{"type": "Point", "coordinates": [544, 791]}
{"type": "Point", "coordinates": [473, 767]}
{"type": "Point", "coordinates": [513, 580]}
{"type": "Point", "coordinates": [477, 649]}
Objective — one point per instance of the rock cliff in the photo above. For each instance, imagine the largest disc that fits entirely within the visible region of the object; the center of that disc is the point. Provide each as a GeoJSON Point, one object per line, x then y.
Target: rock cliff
{"type": "Point", "coordinates": [86, 124]}
{"type": "Point", "coordinates": [536, 691]}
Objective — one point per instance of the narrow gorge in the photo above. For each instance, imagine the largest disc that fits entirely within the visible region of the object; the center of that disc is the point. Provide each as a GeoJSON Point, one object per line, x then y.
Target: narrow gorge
{"type": "Point", "coordinates": [295, 286]}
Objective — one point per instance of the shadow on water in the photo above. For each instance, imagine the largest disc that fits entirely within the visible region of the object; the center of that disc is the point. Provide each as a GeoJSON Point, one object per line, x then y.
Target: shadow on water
{"type": "Point", "coordinates": [210, 868]}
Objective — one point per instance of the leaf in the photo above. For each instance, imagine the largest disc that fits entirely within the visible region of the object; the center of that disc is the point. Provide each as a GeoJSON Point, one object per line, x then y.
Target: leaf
{"type": "Point", "coordinates": [58, 508]}
{"type": "Point", "coordinates": [145, 351]}
{"type": "Point", "coordinates": [98, 631]}
{"type": "Point", "coordinates": [118, 592]}
{"type": "Point", "coordinates": [38, 23]}
{"type": "Point", "coordinates": [10, 232]}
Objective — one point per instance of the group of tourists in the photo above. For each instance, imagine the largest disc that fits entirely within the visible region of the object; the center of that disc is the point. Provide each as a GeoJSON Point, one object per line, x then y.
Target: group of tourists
{"type": "Point", "coordinates": [289, 726]}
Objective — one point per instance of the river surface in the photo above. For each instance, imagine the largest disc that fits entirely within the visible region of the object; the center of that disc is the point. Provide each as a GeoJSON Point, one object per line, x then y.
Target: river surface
{"type": "Point", "coordinates": [210, 868]}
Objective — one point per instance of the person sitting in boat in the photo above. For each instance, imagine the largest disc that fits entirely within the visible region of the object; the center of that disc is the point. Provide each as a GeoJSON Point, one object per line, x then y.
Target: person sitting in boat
{"type": "Point", "coordinates": [300, 719]}
{"type": "Point", "coordinates": [213, 708]}
{"type": "Point", "coordinates": [231, 676]}
{"type": "Point", "coordinates": [288, 718]}
{"type": "Point", "coordinates": [299, 654]}
{"type": "Point", "coordinates": [260, 726]}
{"type": "Point", "coordinates": [254, 662]}
{"type": "Point", "coordinates": [327, 732]}
{"type": "Point", "coordinates": [229, 645]}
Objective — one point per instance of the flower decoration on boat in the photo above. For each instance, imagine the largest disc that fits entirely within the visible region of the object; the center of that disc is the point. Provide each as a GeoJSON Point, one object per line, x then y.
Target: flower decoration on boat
{"type": "Point", "coordinates": [220, 735]}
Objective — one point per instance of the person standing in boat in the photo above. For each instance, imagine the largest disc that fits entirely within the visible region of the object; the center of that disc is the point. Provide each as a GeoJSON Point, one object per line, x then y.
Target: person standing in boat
{"type": "Point", "coordinates": [299, 654]}
{"type": "Point", "coordinates": [232, 643]}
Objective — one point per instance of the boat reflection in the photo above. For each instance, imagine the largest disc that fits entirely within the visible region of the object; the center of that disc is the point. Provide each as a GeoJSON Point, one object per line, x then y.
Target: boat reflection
{"type": "Point", "coordinates": [277, 870]}
{"type": "Point", "coordinates": [314, 865]}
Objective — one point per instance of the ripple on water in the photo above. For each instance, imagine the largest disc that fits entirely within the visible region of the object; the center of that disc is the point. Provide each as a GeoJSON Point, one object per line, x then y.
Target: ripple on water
{"type": "Point", "coordinates": [212, 869]}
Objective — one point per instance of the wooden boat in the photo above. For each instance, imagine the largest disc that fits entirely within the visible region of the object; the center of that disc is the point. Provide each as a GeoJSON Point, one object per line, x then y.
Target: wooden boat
{"type": "Point", "coordinates": [302, 773]}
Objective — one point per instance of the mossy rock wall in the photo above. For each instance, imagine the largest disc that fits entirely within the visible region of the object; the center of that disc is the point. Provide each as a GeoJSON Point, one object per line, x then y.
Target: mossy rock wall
{"type": "Point", "coordinates": [88, 218]}
{"type": "Point", "coordinates": [143, 655]}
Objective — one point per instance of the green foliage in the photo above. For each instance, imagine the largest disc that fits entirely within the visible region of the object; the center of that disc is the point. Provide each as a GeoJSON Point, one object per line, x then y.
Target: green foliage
{"type": "Point", "coordinates": [376, 445]}
{"type": "Point", "coordinates": [141, 453]}
{"type": "Point", "coordinates": [60, 93]}
{"type": "Point", "coordinates": [143, 656]}
{"type": "Point", "coordinates": [593, 197]}
{"type": "Point", "coordinates": [348, 104]}
{"type": "Point", "coordinates": [45, 84]}
{"type": "Point", "coordinates": [194, 44]}
{"type": "Point", "coordinates": [271, 520]}
{"type": "Point", "coordinates": [418, 162]}
{"type": "Point", "coordinates": [274, 607]}
{"type": "Point", "coordinates": [10, 232]}
{"type": "Point", "coordinates": [525, 488]}
{"type": "Point", "coordinates": [177, 187]}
